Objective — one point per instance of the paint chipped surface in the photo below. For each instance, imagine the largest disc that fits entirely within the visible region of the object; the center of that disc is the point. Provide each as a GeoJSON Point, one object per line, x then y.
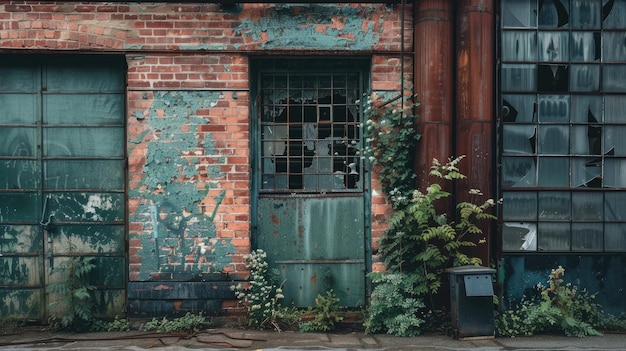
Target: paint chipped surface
{"type": "Point", "coordinates": [320, 27]}
{"type": "Point", "coordinates": [179, 240]}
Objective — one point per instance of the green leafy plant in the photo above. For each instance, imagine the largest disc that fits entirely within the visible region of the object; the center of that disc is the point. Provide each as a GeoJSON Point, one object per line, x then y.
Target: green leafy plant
{"type": "Point", "coordinates": [261, 296]}
{"type": "Point", "coordinates": [326, 314]}
{"type": "Point", "coordinates": [560, 307]}
{"type": "Point", "coordinates": [75, 302]}
{"type": "Point", "coordinates": [117, 324]}
{"type": "Point", "coordinates": [395, 305]}
{"type": "Point", "coordinates": [391, 141]}
{"type": "Point", "coordinates": [189, 323]}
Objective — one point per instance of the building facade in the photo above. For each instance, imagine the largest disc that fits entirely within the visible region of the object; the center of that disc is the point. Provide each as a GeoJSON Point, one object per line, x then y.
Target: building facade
{"type": "Point", "coordinates": [169, 139]}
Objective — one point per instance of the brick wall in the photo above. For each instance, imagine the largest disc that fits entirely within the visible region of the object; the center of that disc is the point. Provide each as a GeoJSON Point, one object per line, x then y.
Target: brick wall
{"type": "Point", "coordinates": [188, 76]}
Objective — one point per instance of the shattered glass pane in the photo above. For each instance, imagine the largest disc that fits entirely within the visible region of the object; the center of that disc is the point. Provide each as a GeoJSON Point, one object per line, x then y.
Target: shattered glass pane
{"type": "Point", "coordinates": [586, 109]}
{"type": "Point", "coordinates": [587, 172]}
{"type": "Point", "coordinates": [519, 13]}
{"type": "Point", "coordinates": [553, 78]}
{"type": "Point", "coordinates": [586, 140]}
{"type": "Point", "coordinates": [614, 14]}
{"type": "Point", "coordinates": [615, 137]}
{"type": "Point", "coordinates": [518, 236]}
{"type": "Point", "coordinates": [519, 139]}
{"type": "Point", "coordinates": [519, 108]}
{"type": "Point", "coordinates": [519, 171]}
{"type": "Point", "coordinates": [553, 14]}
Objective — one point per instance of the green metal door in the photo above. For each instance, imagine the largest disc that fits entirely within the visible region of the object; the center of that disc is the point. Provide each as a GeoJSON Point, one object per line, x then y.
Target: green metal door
{"type": "Point", "coordinates": [311, 187]}
{"type": "Point", "coordinates": [62, 181]}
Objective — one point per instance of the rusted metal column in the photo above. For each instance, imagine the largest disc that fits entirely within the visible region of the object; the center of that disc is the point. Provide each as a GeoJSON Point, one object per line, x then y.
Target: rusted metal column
{"type": "Point", "coordinates": [434, 77]}
{"type": "Point", "coordinates": [475, 118]}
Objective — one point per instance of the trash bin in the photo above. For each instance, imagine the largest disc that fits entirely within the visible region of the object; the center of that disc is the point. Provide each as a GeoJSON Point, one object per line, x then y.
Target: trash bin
{"type": "Point", "coordinates": [471, 302]}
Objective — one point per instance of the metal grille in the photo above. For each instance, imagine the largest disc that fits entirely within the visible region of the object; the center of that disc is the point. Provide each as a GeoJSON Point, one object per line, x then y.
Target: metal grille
{"type": "Point", "coordinates": [310, 132]}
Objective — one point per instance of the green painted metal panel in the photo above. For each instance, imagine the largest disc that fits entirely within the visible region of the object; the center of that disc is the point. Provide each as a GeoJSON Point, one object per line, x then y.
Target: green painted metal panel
{"type": "Point", "coordinates": [19, 78]}
{"type": "Point", "coordinates": [62, 162]}
{"type": "Point", "coordinates": [20, 271]}
{"type": "Point", "coordinates": [83, 174]}
{"type": "Point", "coordinates": [88, 239]}
{"type": "Point", "coordinates": [86, 207]}
{"type": "Point", "coordinates": [20, 207]}
{"type": "Point", "coordinates": [18, 143]}
{"type": "Point", "coordinates": [91, 109]}
{"type": "Point", "coordinates": [84, 77]}
{"type": "Point", "coordinates": [20, 239]}
{"type": "Point", "coordinates": [20, 303]}
{"type": "Point", "coordinates": [20, 174]}
{"type": "Point", "coordinates": [318, 244]}
{"type": "Point", "coordinates": [19, 108]}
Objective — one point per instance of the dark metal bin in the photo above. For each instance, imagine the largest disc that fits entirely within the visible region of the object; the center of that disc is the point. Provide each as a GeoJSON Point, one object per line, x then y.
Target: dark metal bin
{"type": "Point", "coordinates": [471, 302]}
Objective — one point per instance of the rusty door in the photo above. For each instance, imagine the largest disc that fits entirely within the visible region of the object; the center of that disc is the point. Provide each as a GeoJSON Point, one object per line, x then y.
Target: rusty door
{"type": "Point", "coordinates": [311, 186]}
{"type": "Point", "coordinates": [61, 180]}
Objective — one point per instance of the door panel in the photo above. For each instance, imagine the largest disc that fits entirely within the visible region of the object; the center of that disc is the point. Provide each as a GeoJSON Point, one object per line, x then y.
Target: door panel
{"type": "Point", "coordinates": [317, 244]}
{"type": "Point", "coordinates": [62, 180]}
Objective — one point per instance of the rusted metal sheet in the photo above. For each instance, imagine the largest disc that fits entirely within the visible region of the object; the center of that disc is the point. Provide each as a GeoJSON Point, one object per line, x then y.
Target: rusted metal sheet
{"type": "Point", "coordinates": [475, 118]}
{"type": "Point", "coordinates": [318, 244]}
{"type": "Point", "coordinates": [433, 30]}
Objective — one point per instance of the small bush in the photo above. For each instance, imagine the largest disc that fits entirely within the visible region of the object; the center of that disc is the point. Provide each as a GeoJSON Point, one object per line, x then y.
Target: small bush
{"type": "Point", "coordinates": [189, 323]}
{"type": "Point", "coordinates": [326, 314]}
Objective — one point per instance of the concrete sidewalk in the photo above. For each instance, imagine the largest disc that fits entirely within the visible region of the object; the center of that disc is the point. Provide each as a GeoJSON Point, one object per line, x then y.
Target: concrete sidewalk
{"type": "Point", "coordinates": [238, 339]}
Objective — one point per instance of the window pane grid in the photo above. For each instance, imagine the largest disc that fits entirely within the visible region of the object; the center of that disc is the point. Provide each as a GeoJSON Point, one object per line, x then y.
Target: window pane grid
{"type": "Point", "coordinates": [563, 150]}
{"type": "Point", "coordinates": [310, 132]}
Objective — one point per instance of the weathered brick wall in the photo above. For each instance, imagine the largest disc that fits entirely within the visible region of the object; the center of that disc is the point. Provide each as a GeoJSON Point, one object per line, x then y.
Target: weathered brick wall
{"type": "Point", "coordinates": [188, 106]}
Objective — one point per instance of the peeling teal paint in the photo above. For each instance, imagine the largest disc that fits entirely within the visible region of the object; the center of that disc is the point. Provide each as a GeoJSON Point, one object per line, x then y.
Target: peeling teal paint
{"type": "Point", "coordinates": [183, 241]}
{"type": "Point", "coordinates": [295, 26]}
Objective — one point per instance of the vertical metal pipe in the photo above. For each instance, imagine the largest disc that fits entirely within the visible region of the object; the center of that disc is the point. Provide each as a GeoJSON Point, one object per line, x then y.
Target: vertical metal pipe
{"type": "Point", "coordinates": [475, 116]}
{"type": "Point", "coordinates": [433, 75]}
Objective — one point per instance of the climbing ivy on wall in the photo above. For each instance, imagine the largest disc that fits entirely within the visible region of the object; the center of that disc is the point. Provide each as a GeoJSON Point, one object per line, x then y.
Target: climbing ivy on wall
{"type": "Point", "coordinates": [183, 240]}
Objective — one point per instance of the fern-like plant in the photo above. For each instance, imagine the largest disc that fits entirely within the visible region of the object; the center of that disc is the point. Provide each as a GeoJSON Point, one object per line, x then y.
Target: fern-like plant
{"type": "Point", "coordinates": [75, 301]}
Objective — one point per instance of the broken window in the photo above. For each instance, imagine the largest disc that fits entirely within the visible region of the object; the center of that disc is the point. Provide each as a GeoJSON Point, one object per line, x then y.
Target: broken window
{"type": "Point", "coordinates": [310, 126]}
{"type": "Point", "coordinates": [563, 114]}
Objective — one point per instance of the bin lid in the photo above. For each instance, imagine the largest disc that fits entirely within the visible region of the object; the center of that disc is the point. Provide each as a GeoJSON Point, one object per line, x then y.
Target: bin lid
{"type": "Point", "coordinates": [470, 269]}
